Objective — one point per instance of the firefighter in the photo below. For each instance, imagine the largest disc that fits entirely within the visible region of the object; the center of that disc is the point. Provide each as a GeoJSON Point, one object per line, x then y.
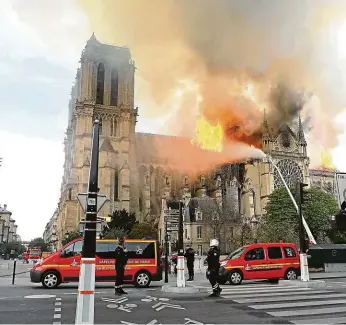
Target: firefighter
{"type": "Point", "coordinates": [213, 260]}
{"type": "Point", "coordinates": [190, 259]}
{"type": "Point", "coordinates": [120, 263]}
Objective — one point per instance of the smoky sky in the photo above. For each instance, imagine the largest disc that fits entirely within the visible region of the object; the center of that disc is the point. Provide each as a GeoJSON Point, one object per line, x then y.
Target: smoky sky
{"type": "Point", "coordinates": [207, 40]}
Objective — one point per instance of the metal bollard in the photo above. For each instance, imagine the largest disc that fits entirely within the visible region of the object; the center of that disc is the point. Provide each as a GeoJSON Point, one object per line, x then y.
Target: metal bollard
{"type": "Point", "coordinates": [14, 271]}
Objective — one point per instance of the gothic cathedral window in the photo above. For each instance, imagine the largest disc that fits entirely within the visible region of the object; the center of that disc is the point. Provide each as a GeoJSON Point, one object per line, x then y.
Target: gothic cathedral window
{"type": "Point", "coordinates": [100, 128]}
{"type": "Point", "coordinates": [116, 185]}
{"type": "Point", "coordinates": [113, 127]}
{"type": "Point", "coordinates": [100, 84]}
{"type": "Point", "coordinates": [114, 87]}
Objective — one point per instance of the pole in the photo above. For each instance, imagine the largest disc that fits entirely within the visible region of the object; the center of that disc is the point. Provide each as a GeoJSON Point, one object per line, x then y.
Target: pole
{"type": "Point", "coordinates": [181, 261]}
{"type": "Point", "coordinates": [304, 268]}
{"type": "Point", "coordinates": [166, 251]}
{"type": "Point", "coordinates": [86, 287]}
{"type": "Point", "coordinates": [14, 271]}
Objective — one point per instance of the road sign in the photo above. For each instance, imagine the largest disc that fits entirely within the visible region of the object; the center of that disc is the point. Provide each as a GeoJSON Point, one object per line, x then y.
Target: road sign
{"type": "Point", "coordinates": [82, 199]}
{"type": "Point", "coordinates": [173, 219]}
{"type": "Point", "coordinates": [173, 228]}
{"type": "Point", "coordinates": [171, 211]}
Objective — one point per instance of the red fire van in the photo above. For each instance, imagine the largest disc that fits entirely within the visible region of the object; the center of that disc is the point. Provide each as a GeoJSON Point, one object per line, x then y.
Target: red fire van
{"type": "Point", "coordinates": [261, 261]}
{"type": "Point", "coordinates": [63, 266]}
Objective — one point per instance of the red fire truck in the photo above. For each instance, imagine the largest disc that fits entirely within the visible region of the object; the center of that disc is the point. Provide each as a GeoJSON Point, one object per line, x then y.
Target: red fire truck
{"type": "Point", "coordinates": [32, 254]}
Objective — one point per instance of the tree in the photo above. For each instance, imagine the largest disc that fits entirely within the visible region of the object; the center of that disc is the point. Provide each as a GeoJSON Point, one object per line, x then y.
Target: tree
{"type": "Point", "coordinates": [6, 248]}
{"type": "Point", "coordinates": [141, 230]}
{"type": "Point", "coordinates": [39, 243]}
{"type": "Point", "coordinates": [71, 236]}
{"type": "Point", "coordinates": [113, 233]}
{"type": "Point", "coordinates": [122, 220]}
{"type": "Point", "coordinates": [281, 220]}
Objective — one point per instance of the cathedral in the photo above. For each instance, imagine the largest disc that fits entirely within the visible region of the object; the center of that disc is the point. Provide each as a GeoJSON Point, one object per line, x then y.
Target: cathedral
{"type": "Point", "coordinates": [134, 176]}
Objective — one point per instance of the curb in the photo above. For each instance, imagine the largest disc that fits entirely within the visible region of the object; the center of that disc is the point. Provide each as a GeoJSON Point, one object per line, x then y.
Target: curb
{"type": "Point", "coordinates": [318, 284]}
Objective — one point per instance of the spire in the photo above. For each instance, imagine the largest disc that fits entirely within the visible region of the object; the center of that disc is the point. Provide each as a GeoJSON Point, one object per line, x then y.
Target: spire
{"type": "Point", "coordinates": [300, 133]}
{"type": "Point", "coordinates": [93, 39]}
{"type": "Point", "coordinates": [265, 127]}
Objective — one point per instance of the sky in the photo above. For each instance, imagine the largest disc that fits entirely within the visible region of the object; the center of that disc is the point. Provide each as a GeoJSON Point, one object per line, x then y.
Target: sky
{"type": "Point", "coordinates": [40, 46]}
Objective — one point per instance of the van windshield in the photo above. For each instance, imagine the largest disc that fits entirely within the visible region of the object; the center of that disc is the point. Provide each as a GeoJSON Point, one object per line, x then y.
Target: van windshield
{"type": "Point", "coordinates": [237, 253]}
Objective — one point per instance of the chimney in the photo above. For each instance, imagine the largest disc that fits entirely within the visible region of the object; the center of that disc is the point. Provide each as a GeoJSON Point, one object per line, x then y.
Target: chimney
{"type": "Point", "coordinates": [5, 206]}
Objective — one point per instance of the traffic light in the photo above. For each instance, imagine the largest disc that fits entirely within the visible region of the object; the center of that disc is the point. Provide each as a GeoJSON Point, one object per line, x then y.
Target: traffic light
{"type": "Point", "coordinates": [301, 196]}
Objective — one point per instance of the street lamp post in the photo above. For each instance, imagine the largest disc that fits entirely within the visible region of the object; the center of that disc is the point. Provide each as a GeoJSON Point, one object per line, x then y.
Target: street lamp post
{"type": "Point", "coordinates": [86, 287]}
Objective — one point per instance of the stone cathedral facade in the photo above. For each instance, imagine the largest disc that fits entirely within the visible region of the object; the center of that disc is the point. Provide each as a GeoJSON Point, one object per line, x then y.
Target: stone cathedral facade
{"type": "Point", "coordinates": [134, 176]}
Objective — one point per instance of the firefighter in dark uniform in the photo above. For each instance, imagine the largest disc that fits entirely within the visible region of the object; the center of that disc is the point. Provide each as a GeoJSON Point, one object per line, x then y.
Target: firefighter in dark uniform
{"type": "Point", "coordinates": [120, 263]}
{"type": "Point", "coordinates": [213, 260]}
{"type": "Point", "coordinates": [190, 259]}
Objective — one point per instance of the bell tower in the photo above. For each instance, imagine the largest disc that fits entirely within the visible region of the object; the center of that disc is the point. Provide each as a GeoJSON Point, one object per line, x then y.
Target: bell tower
{"type": "Point", "coordinates": [103, 90]}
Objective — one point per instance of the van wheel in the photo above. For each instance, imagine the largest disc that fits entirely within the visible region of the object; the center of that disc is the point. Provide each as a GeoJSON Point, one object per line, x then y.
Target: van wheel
{"type": "Point", "coordinates": [142, 279]}
{"type": "Point", "coordinates": [235, 277]}
{"type": "Point", "coordinates": [50, 280]}
{"type": "Point", "coordinates": [291, 274]}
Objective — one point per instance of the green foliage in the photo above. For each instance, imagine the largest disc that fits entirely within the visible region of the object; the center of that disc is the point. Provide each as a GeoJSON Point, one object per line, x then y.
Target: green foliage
{"type": "Point", "coordinates": [71, 236]}
{"type": "Point", "coordinates": [338, 237]}
{"type": "Point", "coordinates": [113, 234]}
{"type": "Point", "coordinates": [122, 220]}
{"type": "Point", "coordinates": [281, 221]}
{"type": "Point", "coordinates": [39, 243]}
{"type": "Point", "coordinates": [5, 248]}
{"type": "Point", "coordinates": [141, 230]}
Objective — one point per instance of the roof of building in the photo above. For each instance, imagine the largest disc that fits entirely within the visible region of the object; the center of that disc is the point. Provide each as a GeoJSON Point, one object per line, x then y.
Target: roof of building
{"type": "Point", "coordinates": [4, 210]}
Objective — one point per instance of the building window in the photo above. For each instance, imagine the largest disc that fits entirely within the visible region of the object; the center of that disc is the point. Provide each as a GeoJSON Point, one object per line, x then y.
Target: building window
{"type": "Point", "coordinates": [116, 185]}
{"type": "Point", "coordinates": [252, 202]}
{"type": "Point", "coordinates": [100, 128]}
{"type": "Point", "coordinates": [70, 194]}
{"type": "Point", "coordinates": [199, 232]}
{"type": "Point", "coordinates": [114, 87]}
{"type": "Point", "coordinates": [199, 216]}
{"type": "Point", "coordinates": [113, 127]}
{"type": "Point", "coordinates": [231, 232]}
{"type": "Point", "coordinates": [185, 233]}
{"type": "Point", "coordinates": [100, 83]}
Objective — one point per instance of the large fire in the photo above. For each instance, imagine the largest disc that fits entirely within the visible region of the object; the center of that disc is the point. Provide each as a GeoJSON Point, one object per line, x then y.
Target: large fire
{"type": "Point", "coordinates": [208, 137]}
{"type": "Point", "coordinates": [326, 160]}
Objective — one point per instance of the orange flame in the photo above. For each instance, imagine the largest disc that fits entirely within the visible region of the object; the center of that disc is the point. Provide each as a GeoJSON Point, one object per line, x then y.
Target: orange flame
{"type": "Point", "coordinates": [326, 159]}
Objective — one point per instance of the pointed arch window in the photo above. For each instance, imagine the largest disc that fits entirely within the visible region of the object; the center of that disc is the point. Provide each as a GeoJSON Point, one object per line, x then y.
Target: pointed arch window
{"type": "Point", "coordinates": [116, 185]}
{"type": "Point", "coordinates": [100, 128]}
{"type": "Point", "coordinates": [113, 127]}
{"type": "Point", "coordinates": [100, 84]}
{"type": "Point", "coordinates": [114, 87]}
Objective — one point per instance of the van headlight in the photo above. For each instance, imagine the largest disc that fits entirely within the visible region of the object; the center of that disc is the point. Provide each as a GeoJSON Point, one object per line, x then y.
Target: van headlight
{"type": "Point", "coordinates": [223, 263]}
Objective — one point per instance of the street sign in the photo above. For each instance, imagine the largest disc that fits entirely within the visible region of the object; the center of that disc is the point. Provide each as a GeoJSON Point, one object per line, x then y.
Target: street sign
{"type": "Point", "coordinates": [173, 228]}
{"type": "Point", "coordinates": [82, 199]}
{"type": "Point", "coordinates": [173, 219]}
{"type": "Point", "coordinates": [171, 211]}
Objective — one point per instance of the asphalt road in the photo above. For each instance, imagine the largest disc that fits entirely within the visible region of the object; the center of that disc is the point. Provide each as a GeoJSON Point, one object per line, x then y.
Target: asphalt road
{"type": "Point", "coordinates": [249, 303]}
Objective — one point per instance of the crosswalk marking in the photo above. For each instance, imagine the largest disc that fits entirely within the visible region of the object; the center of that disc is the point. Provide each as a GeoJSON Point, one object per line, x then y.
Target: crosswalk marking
{"type": "Point", "coordinates": [307, 312]}
{"type": "Point", "coordinates": [298, 304]}
{"type": "Point", "coordinates": [299, 296]}
{"type": "Point", "coordinates": [333, 320]}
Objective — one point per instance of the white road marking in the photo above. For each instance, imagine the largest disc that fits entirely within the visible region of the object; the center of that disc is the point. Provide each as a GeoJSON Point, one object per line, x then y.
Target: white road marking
{"type": "Point", "coordinates": [113, 306]}
{"type": "Point", "coordinates": [39, 296]}
{"type": "Point", "coordinates": [163, 299]}
{"type": "Point", "coordinates": [58, 304]}
{"type": "Point", "coordinates": [57, 309]}
{"type": "Point", "coordinates": [57, 299]}
{"type": "Point", "coordinates": [57, 316]}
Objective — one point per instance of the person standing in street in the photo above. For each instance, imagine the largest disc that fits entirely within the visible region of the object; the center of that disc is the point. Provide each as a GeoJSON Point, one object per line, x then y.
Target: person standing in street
{"type": "Point", "coordinates": [190, 260]}
{"type": "Point", "coordinates": [120, 263]}
{"type": "Point", "coordinates": [213, 260]}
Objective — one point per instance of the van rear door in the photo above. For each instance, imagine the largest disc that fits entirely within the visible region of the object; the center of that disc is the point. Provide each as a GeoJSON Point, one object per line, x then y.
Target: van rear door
{"type": "Point", "coordinates": [276, 262]}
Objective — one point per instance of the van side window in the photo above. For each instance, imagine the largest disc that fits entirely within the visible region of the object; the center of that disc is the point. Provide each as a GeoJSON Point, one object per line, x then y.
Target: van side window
{"type": "Point", "coordinates": [73, 249]}
{"type": "Point", "coordinates": [289, 252]}
{"type": "Point", "coordinates": [78, 247]}
{"type": "Point", "coordinates": [255, 254]}
{"type": "Point", "coordinates": [274, 252]}
{"type": "Point", "coordinates": [140, 250]}
{"type": "Point", "coordinates": [101, 247]}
